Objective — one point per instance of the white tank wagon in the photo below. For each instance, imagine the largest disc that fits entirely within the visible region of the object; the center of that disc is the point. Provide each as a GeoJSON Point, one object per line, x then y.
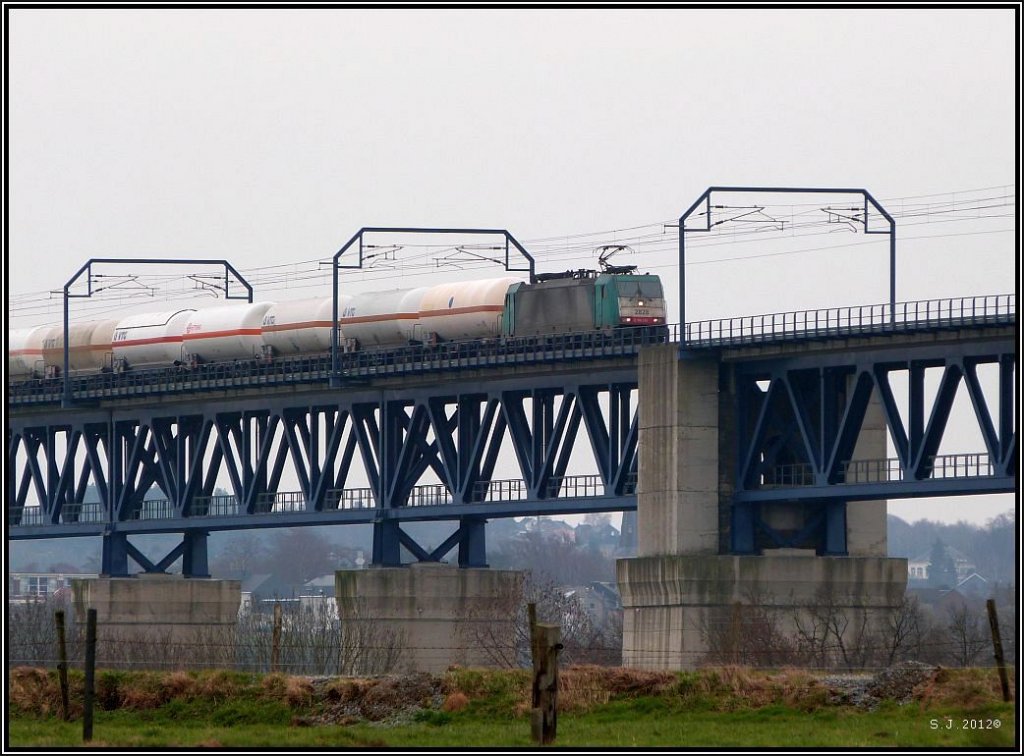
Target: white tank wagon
{"type": "Point", "coordinates": [25, 352]}
{"type": "Point", "coordinates": [465, 310]}
{"type": "Point", "coordinates": [88, 347]}
{"type": "Point", "coordinates": [226, 333]}
{"type": "Point", "coordinates": [383, 318]}
{"type": "Point", "coordinates": [152, 339]}
{"type": "Point", "coordinates": [302, 326]}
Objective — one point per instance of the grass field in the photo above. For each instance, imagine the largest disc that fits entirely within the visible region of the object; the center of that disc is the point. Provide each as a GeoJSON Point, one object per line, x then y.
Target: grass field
{"type": "Point", "coordinates": [729, 707]}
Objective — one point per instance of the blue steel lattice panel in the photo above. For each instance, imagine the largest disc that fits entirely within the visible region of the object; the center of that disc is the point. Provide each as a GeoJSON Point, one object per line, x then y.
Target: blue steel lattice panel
{"type": "Point", "coordinates": [799, 418]}
{"type": "Point", "coordinates": [455, 431]}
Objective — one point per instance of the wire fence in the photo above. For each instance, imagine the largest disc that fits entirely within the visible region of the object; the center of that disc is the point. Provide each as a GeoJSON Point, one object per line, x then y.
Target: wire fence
{"type": "Point", "coordinates": [313, 640]}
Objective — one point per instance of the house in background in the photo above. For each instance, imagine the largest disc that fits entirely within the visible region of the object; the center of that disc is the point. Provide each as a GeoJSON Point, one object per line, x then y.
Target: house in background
{"type": "Point", "coordinates": [599, 600]}
{"type": "Point", "coordinates": [28, 586]}
{"type": "Point", "coordinates": [917, 568]}
{"type": "Point", "coordinates": [974, 585]}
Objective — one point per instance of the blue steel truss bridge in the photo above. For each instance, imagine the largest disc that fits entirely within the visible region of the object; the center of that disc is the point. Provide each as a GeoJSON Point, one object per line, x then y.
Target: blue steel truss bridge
{"type": "Point", "coordinates": [425, 427]}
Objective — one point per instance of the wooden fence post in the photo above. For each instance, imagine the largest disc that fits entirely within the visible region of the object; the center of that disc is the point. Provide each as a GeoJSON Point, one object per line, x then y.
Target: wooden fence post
{"type": "Point", "coordinates": [90, 673]}
{"type": "Point", "coordinates": [544, 645]}
{"type": "Point", "coordinates": [62, 665]}
{"type": "Point", "coordinates": [997, 647]}
{"type": "Point", "coordinates": [275, 639]}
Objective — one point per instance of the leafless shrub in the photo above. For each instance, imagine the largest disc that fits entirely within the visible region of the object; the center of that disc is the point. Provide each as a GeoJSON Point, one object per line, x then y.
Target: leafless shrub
{"type": "Point", "coordinates": [368, 646]}
{"type": "Point", "coordinates": [968, 634]}
{"type": "Point", "coordinates": [903, 631]}
{"type": "Point", "coordinates": [584, 641]}
{"type": "Point", "coordinates": [749, 632]}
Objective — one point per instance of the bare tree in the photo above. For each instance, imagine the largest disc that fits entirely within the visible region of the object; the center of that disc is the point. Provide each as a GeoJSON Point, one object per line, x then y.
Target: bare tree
{"type": "Point", "coordinates": [749, 632]}
{"type": "Point", "coordinates": [583, 640]}
{"type": "Point", "coordinates": [968, 634]}
{"type": "Point", "coordinates": [32, 633]}
{"type": "Point", "coordinates": [903, 631]}
{"type": "Point", "coordinates": [834, 634]}
{"type": "Point", "coordinates": [555, 558]}
{"type": "Point", "coordinates": [300, 554]}
{"type": "Point", "coordinates": [241, 557]}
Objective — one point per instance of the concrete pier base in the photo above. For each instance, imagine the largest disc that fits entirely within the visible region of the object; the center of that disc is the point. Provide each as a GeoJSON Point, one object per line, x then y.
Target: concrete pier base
{"type": "Point", "coordinates": [426, 617]}
{"type": "Point", "coordinates": [682, 611]}
{"type": "Point", "coordinates": [160, 621]}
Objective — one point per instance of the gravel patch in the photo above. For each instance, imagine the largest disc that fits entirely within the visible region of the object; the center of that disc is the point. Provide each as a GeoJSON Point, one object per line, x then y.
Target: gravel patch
{"type": "Point", "coordinates": [894, 683]}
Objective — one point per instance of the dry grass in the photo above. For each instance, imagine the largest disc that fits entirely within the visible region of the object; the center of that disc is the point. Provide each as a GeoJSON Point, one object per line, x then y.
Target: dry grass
{"type": "Point", "coordinates": [298, 691]}
{"type": "Point", "coordinates": [962, 688]}
{"type": "Point", "coordinates": [495, 693]}
{"type": "Point", "coordinates": [733, 687]}
{"type": "Point", "coordinates": [581, 688]}
{"type": "Point", "coordinates": [37, 691]}
{"type": "Point", "coordinates": [179, 685]}
{"type": "Point", "coordinates": [218, 685]}
{"type": "Point", "coordinates": [455, 702]}
{"type": "Point", "coordinates": [295, 691]}
{"type": "Point", "coordinates": [145, 691]}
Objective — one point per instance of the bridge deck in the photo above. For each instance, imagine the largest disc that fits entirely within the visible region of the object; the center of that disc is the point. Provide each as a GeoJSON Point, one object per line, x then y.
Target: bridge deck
{"type": "Point", "coordinates": [926, 316]}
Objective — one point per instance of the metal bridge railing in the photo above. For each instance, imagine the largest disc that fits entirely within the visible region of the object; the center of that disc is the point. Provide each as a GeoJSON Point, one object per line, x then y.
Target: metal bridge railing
{"type": "Point", "coordinates": [281, 501]}
{"type": "Point", "coordinates": [888, 470]}
{"type": "Point", "coordinates": [925, 314]}
{"type": "Point", "coordinates": [25, 516]}
{"type": "Point", "coordinates": [155, 509]}
{"type": "Point", "coordinates": [335, 499]}
{"type": "Point", "coordinates": [790, 476]}
{"type": "Point", "coordinates": [564, 487]}
{"type": "Point", "coordinates": [973, 465]}
{"type": "Point", "coordinates": [215, 506]}
{"type": "Point", "coordinates": [91, 512]}
{"type": "Point", "coordinates": [430, 495]}
{"type": "Point", "coordinates": [350, 498]}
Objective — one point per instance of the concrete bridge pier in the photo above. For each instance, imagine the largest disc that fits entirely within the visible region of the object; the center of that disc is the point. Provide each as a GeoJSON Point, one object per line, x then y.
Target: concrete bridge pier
{"type": "Point", "coordinates": [427, 616]}
{"type": "Point", "coordinates": [160, 621]}
{"type": "Point", "coordinates": [688, 597]}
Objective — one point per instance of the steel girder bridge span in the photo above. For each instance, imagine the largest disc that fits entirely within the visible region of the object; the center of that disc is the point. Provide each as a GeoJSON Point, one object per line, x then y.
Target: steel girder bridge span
{"type": "Point", "coordinates": [357, 456]}
{"type": "Point", "coordinates": [798, 409]}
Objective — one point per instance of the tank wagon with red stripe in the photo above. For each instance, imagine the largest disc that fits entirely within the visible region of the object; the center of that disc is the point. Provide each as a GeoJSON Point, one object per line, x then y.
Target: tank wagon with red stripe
{"type": "Point", "coordinates": [491, 309]}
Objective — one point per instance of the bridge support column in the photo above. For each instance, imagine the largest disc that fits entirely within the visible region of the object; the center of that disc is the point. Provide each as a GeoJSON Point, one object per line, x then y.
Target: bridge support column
{"type": "Point", "coordinates": [387, 543]}
{"type": "Point", "coordinates": [426, 617]}
{"type": "Point", "coordinates": [682, 611]}
{"type": "Point", "coordinates": [677, 483]}
{"type": "Point", "coordinates": [684, 596]}
{"type": "Point", "coordinates": [161, 621]}
{"type": "Point", "coordinates": [114, 554]}
{"type": "Point", "coordinates": [473, 542]}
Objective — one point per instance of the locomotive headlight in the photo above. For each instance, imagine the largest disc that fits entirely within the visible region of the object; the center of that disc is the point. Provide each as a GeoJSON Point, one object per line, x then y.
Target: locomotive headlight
{"type": "Point", "coordinates": [640, 303]}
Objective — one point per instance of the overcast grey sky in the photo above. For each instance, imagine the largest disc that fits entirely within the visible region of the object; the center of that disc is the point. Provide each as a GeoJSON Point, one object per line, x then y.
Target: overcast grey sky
{"type": "Point", "coordinates": [269, 137]}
